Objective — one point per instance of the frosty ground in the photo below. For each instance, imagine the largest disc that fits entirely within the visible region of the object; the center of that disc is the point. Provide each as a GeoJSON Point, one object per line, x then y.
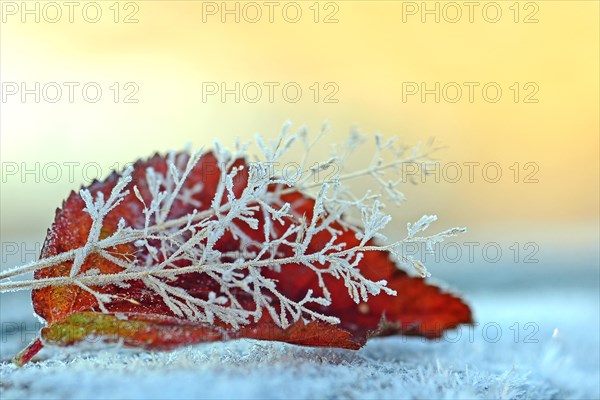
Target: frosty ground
{"type": "Point", "coordinates": [555, 356]}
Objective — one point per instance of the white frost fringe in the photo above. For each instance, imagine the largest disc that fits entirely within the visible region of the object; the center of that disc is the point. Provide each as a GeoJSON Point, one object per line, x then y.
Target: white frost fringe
{"type": "Point", "coordinates": [192, 238]}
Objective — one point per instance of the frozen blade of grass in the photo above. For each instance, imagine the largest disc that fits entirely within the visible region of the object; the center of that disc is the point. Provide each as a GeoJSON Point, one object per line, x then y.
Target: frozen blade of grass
{"type": "Point", "coordinates": [190, 240]}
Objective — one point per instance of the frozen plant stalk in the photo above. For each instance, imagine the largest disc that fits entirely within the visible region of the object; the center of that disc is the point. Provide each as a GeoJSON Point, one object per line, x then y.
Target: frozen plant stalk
{"type": "Point", "coordinates": [270, 230]}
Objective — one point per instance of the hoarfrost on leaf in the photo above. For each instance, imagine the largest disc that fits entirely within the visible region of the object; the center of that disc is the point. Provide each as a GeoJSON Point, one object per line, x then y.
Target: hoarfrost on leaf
{"type": "Point", "coordinates": [170, 245]}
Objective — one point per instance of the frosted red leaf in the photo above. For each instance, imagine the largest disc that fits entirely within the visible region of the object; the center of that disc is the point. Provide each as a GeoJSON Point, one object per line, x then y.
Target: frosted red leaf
{"type": "Point", "coordinates": [139, 317]}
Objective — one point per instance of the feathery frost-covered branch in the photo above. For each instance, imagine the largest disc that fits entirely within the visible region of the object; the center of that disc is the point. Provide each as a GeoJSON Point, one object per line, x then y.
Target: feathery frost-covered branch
{"type": "Point", "coordinates": [170, 242]}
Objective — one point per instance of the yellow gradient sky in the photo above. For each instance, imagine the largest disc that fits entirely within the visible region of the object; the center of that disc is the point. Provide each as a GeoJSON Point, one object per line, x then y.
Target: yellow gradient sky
{"type": "Point", "coordinates": [369, 54]}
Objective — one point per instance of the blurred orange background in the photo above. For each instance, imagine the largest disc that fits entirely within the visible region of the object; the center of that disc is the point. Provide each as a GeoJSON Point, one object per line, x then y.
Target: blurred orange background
{"type": "Point", "coordinates": [372, 55]}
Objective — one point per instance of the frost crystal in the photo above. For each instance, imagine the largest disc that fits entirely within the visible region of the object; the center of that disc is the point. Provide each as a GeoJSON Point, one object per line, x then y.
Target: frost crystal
{"type": "Point", "coordinates": [190, 240]}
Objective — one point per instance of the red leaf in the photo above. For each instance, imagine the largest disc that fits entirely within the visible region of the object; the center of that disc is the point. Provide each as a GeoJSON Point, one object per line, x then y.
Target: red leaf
{"type": "Point", "coordinates": [139, 317]}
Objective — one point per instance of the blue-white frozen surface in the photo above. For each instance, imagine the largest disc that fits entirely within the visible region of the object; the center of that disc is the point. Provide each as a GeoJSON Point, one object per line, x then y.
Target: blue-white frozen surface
{"type": "Point", "coordinates": [555, 356]}
{"type": "Point", "coordinates": [537, 338]}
